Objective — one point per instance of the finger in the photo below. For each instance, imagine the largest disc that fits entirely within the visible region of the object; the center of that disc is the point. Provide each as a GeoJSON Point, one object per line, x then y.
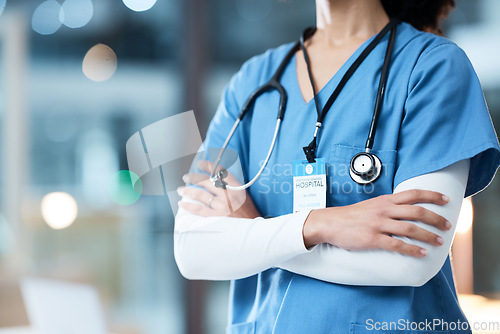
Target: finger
{"type": "Point", "coordinates": [210, 186]}
{"type": "Point", "coordinates": [207, 166]}
{"type": "Point", "coordinates": [395, 245]}
{"type": "Point", "coordinates": [220, 204]}
{"type": "Point", "coordinates": [195, 178]}
{"type": "Point", "coordinates": [197, 194]}
{"type": "Point", "coordinates": [197, 209]}
{"type": "Point", "coordinates": [405, 229]}
{"type": "Point", "coordinates": [202, 180]}
{"type": "Point", "coordinates": [224, 202]}
{"type": "Point", "coordinates": [415, 196]}
{"type": "Point", "coordinates": [418, 213]}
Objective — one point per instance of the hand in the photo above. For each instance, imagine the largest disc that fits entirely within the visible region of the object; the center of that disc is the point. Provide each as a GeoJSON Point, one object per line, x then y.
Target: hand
{"type": "Point", "coordinates": [371, 224]}
{"type": "Point", "coordinates": [213, 201]}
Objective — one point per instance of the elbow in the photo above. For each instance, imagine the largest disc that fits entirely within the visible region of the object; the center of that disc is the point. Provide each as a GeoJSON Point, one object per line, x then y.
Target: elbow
{"type": "Point", "coordinates": [418, 280]}
{"type": "Point", "coordinates": [417, 273]}
{"type": "Point", "coordinates": [186, 260]}
{"type": "Point", "coordinates": [185, 248]}
{"type": "Point", "coordinates": [184, 267]}
{"type": "Point", "coordinates": [187, 271]}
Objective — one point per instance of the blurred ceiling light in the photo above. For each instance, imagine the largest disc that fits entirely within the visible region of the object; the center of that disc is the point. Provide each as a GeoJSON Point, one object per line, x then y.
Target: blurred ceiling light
{"type": "Point", "coordinates": [2, 5]}
{"type": "Point", "coordinates": [466, 216]}
{"type": "Point", "coordinates": [99, 63]}
{"type": "Point", "coordinates": [46, 19]}
{"type": "Point", "coordinates": [76, 13]}
{"type": "Point", "coordinates": [139, 5]}
{"type": "Point", "coordinates": [254, 10]}
{"type": "Point", "coordinates": [59, 210]}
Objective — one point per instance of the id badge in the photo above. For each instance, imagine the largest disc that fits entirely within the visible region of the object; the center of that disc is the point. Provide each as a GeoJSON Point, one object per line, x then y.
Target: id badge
{"type": "Point", "coordinates": [309, 185]}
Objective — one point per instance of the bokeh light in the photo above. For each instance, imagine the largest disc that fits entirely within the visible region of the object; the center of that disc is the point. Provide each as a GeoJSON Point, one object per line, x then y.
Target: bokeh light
{"type": "Point", "coordinates": [139, 5]}
{"type": "Point", "coordinates": [466, 216]}
{"type": "Point", "coordinates": [59, 210]}
{"type": "Point", "coordinates": [99, 63]}
{"type": "Point", "coordinates": [125, 187]}
{"type": "Point", "coordinates": [76, 13]}
{"type": "Point", "coordinates": [254, 10]}
{"type": "Point", "coordinates": [46, 19]}
{"type": "Point", "coordinates": [2, 5]}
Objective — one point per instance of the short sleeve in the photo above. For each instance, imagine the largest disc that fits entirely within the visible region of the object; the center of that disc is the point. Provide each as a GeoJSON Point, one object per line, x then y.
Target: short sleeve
{"type": "Point", "coordinates": [446, 120]}
{"type": "Point", "coordinates": [225, 116]}
{"type": "Point", "coordinates": [235, 158]}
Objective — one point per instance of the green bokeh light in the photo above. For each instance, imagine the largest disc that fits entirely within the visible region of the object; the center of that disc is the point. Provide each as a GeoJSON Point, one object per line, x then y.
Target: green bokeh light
{"type": "Point", "coordinates": [121, 187]}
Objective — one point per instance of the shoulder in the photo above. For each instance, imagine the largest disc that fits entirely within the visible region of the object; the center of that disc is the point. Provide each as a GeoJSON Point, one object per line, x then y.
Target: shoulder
{"type": "Point", "coordinates": [267, 62]}
{"type": "Point", "coordinates": [258, 70]}
{"type": "Point", "coordinates": [419, 43]}
{"type": "Point", "coordinates": [424, 51]}
{"type": "Point", "coordinates": [252, 74]}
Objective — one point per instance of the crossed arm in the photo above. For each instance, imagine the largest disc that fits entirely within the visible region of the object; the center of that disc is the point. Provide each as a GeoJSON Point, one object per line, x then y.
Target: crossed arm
{"type": "Point", "coordinates": [224, 248]}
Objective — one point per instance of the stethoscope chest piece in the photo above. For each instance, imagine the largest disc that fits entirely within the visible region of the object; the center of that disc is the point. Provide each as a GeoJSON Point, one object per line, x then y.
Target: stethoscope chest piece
{"type": "Point", "coordinates": [365, 168]}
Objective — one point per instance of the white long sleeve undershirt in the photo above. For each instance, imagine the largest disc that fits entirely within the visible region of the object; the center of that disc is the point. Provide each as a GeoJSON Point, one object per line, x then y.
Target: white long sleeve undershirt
{"type": "Point", "coordinates": [224, 248]}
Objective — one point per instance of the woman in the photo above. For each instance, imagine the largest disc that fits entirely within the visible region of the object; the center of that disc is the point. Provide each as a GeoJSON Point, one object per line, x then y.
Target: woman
{"type": "Point", "coordinates": [373, 260]}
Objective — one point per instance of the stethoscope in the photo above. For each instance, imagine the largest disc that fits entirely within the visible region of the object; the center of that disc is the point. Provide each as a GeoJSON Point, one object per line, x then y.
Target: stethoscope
{"type": "Point", "coordinates": [365, 167]}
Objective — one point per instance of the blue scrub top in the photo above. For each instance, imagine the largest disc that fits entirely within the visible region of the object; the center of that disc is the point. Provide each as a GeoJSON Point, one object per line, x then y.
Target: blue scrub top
{"type": "Point", "coordinates": [434, 114]}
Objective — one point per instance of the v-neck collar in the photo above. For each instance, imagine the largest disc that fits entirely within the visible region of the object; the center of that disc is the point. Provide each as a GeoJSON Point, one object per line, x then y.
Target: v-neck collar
{"type": "Point", "coordinates": [335, 79]}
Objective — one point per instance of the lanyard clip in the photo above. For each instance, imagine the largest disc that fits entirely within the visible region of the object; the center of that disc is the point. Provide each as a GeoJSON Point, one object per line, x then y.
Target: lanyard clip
{"type": "Point", "coordinates": [310, 150]}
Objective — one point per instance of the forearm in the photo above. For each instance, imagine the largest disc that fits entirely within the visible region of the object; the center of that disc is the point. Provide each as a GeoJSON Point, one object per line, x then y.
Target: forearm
{"type": "Point", "coordinates": [224, 248]}
{"type": "Point", "coordinates": [380, 267]}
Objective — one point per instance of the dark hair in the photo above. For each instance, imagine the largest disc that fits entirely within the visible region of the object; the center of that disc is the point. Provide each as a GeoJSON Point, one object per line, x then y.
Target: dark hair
{"type": "Point", "coordinates": [424, 15]}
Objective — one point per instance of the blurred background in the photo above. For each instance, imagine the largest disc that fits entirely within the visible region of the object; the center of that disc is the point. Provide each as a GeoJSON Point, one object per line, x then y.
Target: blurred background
{"type": "Point", "coordinates": [79, 77]}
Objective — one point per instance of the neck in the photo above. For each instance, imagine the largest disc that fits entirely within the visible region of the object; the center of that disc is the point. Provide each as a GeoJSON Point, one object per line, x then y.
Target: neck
{"type": "Point", "coordinates": [341, 20]}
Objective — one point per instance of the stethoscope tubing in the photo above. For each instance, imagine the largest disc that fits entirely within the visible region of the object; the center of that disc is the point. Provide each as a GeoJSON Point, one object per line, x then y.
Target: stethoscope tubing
{"type": "Point", "coordinates": [274, 84]}
{"type": "Point", "coordinates": [261, 170]}
{"type": "Point", "coordinates": [381, 90]}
